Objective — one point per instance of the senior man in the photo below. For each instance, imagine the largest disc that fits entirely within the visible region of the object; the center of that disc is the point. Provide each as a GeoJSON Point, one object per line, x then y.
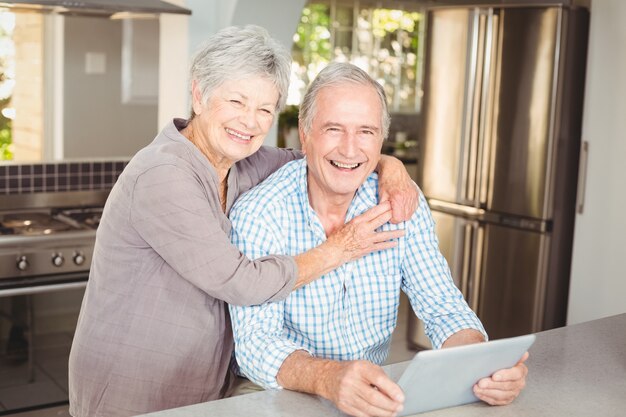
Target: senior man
{"type": "Point", "coordinates": [329, 337]}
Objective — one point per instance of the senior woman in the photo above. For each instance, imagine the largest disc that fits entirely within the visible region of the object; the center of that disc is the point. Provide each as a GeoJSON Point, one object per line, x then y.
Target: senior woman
{"type": "Point", "coordinates": [154, 331]}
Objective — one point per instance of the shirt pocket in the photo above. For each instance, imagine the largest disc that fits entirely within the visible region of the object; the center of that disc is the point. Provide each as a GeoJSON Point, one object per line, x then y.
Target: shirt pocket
{"type": "Point", "coordinates": [376, 288]}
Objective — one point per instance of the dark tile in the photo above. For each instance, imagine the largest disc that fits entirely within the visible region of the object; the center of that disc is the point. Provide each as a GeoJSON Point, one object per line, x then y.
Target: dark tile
{"type": "Point", "coordinates": [37, 182]}
{"type": "Point", "coordinates": [97, 181]}
{"type": "Point", "coordinates": [26, 169]}
{"type": "Point", "coordinates": [85, 167]}
{"type": "Point", "coordinates": [62, 169]}
{"type": "Point", "coordinates": [108, 166]}
{"type": "Point", "coordinates": [50, 183]}
{"type": "Point", "coordinates": [74, 181]}
{"type": "Point", "coordinates": [74, 168]}
{"type": "Point", "coordinates": [13, 170]}
{"type": "Point", "coordinates": [119, 166]}
{"type": "Point", "coordinates": [98, 167]}
{"type": "Point", "coordinates": [3, 183]}
{"type": "Point", "coordinates": [4, 170]}
{"type": "Point", "coordinates": [26, 183]}
{"type": "Point", "coordinates": [62, 181]}
{"type": "Point", "coordinates": [38, 169]}
{"type": "Point", "coordinates": [14, 183]}
{"type": "Point", "coordinates": [108, 179]}
{"type": "Point", "coordinates": [85, 179]}
{"type": "Point", "coordinates": [50, 169]}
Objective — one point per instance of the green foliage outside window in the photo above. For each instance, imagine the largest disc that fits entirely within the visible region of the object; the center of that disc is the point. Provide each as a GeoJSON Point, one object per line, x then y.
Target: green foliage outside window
{"type": "Point", "coordinates": [5, 139]}
{"type": "Point", "coordinates": [383, 41]}
{"type": "Point", "coordinates": [5, 123]}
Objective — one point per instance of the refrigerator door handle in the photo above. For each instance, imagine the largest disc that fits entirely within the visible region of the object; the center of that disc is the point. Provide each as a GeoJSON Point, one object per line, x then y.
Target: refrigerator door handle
{"type": "Point", "coordinates": [476, 274]}
{"type": "Point", "coordinates": [469, 117]}
{"type": "Point", "coordinates": [468, 229]}
{"type": "Point", "coordinates": [582, 177]}
{"type": "Point", "coordinates": [456, 209]}
{"type": "Point", "coordinates": [489, 93]}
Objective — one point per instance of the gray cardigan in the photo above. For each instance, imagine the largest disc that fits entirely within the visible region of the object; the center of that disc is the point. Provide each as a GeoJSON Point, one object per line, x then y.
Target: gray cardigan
{"type": "Point", "coordinates": [154, 331]}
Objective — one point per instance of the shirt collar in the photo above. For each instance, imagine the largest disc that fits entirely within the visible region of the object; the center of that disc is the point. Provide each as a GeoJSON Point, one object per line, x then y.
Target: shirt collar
{"type": "Point", "coordinates": [365, 197]}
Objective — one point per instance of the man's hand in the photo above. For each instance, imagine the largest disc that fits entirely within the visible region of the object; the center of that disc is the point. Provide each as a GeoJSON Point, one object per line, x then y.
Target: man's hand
{"type": "Point", "coordinates": [396, 186]}
{"type": "Point", "coordinates": [503, 386]}
{"type": "Point", "coordinates": [358, 388]}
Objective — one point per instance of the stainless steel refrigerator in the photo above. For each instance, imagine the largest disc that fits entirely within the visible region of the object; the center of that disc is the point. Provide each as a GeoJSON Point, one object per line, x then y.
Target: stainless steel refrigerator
{"type": "Point", "coordinates": [499, 151]}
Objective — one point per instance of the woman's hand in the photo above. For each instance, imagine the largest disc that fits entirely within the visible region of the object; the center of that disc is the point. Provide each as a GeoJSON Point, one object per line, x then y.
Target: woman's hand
{"type": "Point", "coordinates": [396, 186]}
{"type": "Point", "coordinates": [359, 237]}
{"type": "Point", "coordinates": [351, 241]}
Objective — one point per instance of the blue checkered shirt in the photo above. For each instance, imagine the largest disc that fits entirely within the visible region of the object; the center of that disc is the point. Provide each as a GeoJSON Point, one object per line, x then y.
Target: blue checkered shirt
{"type": "Point", "coordinates": [350, 312]}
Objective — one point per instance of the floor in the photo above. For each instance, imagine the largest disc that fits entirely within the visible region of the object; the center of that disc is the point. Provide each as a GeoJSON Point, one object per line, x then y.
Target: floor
{"type": "Point", "coordinates": [56, 372]}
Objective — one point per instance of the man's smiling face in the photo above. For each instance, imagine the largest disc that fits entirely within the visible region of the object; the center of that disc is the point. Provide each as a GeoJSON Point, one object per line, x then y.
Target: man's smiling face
{"type": "Point", "coordinates": [344, 143]}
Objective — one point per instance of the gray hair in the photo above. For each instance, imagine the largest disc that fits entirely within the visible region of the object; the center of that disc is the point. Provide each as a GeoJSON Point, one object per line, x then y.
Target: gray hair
{"type": "Point", "coordinates": [238, 52]}
{"type": "Point", "coordinates": [334, 74]}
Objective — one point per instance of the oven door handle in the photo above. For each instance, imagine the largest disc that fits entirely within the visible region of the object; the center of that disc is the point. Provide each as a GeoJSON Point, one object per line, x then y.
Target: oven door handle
{"type": "Point", "coordinates": [39, 289]}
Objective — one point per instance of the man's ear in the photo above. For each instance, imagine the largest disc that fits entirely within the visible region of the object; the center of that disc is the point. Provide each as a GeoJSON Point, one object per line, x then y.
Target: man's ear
{"type": "Point", "coordinates": [303, 139]}
{"type": "Point", "coordinates": [196, 98]}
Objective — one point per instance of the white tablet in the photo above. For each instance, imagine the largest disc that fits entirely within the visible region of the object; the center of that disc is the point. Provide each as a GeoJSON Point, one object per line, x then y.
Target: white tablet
{"type": "Point", "coordinates": [445, 377]}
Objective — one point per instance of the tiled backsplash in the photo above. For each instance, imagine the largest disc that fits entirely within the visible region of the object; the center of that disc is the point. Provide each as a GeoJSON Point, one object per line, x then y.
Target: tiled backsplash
{"type": "Point", "coordinates": [61, 176]}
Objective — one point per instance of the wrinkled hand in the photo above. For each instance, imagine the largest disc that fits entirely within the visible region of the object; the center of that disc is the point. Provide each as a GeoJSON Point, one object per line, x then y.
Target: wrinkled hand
{"type": "Point", "coordinates": [396, 186]}
{"type": "Point", "coordinates": [360, 388]}
{"type": "Point", "coordinates": [359, 237]}
{"type": "Point", "coordinates": [504, 385]}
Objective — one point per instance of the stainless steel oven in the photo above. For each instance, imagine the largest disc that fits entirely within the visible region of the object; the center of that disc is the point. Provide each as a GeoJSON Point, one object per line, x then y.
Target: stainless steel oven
{"type": "Point", "coordinates": [46, 244]}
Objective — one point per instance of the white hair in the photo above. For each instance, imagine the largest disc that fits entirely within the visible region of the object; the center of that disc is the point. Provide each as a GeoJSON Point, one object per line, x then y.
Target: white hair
{"type": "Point", "coordinates": [239, 52]}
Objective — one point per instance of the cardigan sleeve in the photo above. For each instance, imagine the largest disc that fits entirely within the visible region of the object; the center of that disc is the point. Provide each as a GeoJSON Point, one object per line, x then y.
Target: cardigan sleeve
{"type": "Point", "coordinates": [173, 214]}
{"type": "Point", "coordinates": [264, 163]}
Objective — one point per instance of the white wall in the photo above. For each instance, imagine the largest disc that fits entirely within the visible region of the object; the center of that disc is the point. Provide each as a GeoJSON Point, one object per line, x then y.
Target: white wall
{"type": "Point", "coordinates": [96, 120]}
{"type": "Point", "coordinates": [173, 66]}
{"type": "Point", "coordinates": [279, 17]}
{"type": "Point", "coordinates": [598, 280]}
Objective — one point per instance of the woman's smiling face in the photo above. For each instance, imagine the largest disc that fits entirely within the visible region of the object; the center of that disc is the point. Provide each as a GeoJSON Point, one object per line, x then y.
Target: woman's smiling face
{"type": "Point", "coordinates": [234, 122]}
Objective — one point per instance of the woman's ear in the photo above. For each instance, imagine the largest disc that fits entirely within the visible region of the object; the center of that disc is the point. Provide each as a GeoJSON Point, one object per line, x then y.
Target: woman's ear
{"type": "Point", "coordinates": [196, 98]}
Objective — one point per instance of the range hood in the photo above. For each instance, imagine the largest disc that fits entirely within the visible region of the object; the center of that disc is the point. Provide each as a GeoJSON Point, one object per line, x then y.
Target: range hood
{"type": "Point", "coordinates": [102, 8]}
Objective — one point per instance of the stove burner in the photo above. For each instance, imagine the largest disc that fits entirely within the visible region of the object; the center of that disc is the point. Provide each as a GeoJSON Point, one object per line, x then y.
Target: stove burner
{"type": "Point", "coordinates": [25, 219]}
{"type": "Point", "coordinates": [33, 223]}
{"type": "Point", "coordinates": [84, 218]}
{"type": "Point", "coordinates": [30, 224]}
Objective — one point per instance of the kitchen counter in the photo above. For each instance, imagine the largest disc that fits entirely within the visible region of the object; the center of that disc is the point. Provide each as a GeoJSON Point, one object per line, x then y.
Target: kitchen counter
{"type": "Point", "coordinates": [577, 370]}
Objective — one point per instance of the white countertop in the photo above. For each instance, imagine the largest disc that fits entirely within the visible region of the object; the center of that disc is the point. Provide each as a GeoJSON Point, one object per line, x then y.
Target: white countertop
{"type": "Point", "coordinates": [577, 370]}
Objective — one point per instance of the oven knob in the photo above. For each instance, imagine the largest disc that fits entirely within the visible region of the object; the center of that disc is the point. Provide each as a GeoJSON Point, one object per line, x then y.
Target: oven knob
{"type": "Point", "coordinates": [79, 259]}
{"type": "Point", "coordinates": [22, 263]}
{"type": "Point", "coordinates": [57, 259]}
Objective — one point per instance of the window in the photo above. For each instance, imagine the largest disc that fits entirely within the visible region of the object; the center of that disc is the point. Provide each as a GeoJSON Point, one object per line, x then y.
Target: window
{"type": "Point", "coordinates": [7, 83]}
{"type": "Point", "coordinates": [383, 38]}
